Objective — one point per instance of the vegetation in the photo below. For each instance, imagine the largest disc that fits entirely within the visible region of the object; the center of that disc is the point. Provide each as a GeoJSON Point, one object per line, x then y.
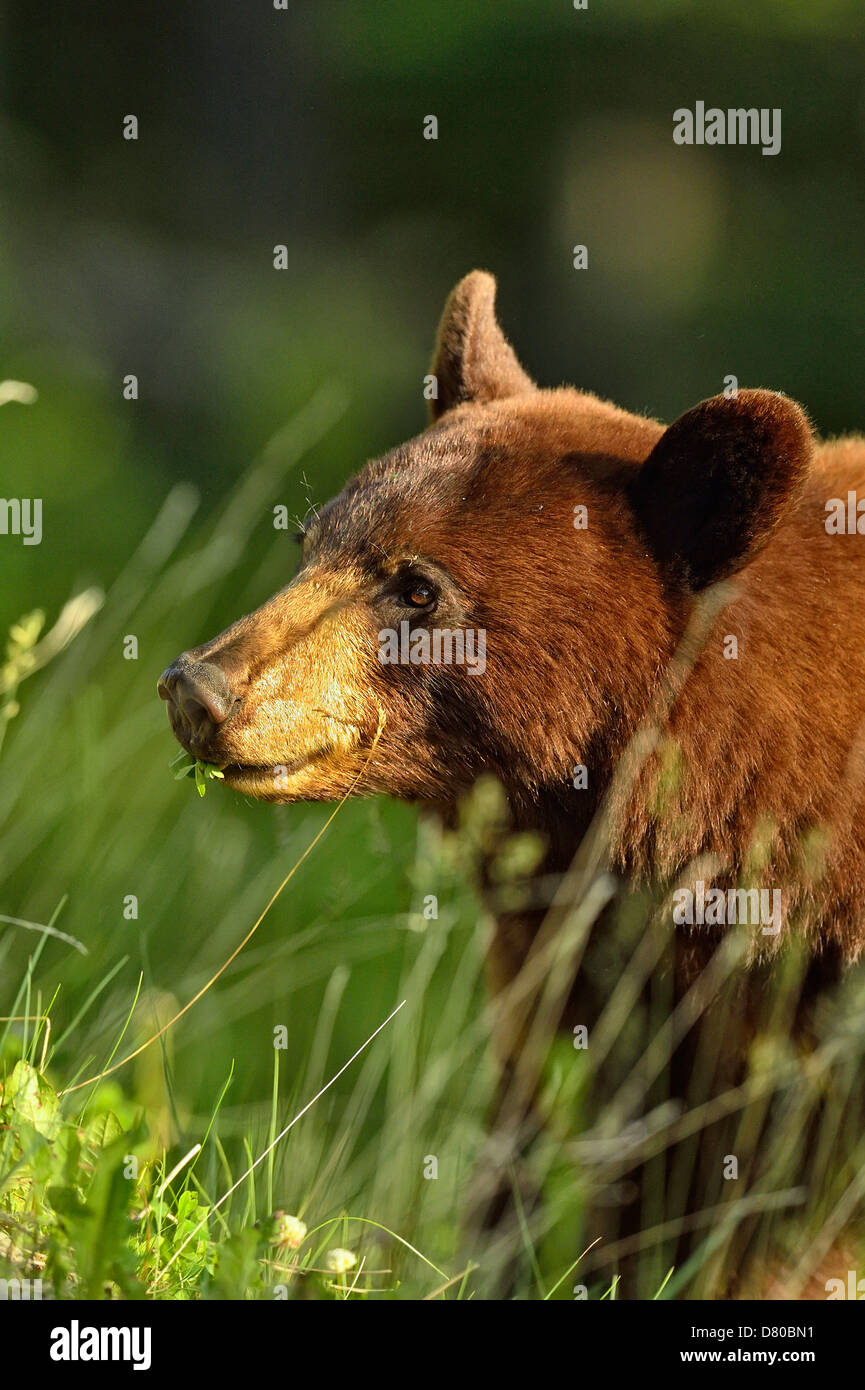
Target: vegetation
{"type": "Point", "coordinates": [199, 771]}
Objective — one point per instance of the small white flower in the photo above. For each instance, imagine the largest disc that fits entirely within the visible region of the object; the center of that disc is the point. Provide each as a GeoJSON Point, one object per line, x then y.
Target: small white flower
{"type": "Point", "coordinates": [287, 1230]}
{"type": "Point", "coordinates": [341, 1261]}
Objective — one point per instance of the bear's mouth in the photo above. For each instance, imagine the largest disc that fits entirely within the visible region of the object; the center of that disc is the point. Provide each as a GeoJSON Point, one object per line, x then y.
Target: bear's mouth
{"type": "Point", "coordinates": [258, 778]}
{"type": "Point", "coordinates": [249, 777]}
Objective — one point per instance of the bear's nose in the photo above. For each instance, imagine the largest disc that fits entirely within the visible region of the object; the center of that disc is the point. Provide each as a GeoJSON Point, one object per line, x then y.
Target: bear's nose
{"type": "Point", "coordinates": [198, 690]}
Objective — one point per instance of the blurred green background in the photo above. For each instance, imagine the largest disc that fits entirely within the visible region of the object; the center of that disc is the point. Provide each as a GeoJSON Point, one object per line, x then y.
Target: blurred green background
{"type": "Point", "coordinates": [304, 127]}
{"type": "Point", "coordinates": [257, 387]}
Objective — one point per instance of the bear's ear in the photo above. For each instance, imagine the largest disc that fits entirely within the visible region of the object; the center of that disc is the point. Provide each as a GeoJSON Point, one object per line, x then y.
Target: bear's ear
{"type": "Point", "coordinates": [473, 360]}
{"type": "Point", "coordinates": [718, 482]}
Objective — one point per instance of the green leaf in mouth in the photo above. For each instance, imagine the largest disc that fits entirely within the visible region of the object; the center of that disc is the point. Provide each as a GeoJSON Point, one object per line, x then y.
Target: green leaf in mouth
{"type": "Point", "coordinates": [202, 772]}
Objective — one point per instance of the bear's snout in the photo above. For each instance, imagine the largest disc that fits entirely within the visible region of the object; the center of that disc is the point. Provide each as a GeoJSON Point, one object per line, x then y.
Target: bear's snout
{"type": "Point", "coordinates": [199, 699]}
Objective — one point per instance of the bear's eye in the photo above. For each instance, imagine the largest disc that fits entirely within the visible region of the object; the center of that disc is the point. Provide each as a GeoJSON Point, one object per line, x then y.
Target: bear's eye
{"type": "Point", "coordinates": [418, 594]}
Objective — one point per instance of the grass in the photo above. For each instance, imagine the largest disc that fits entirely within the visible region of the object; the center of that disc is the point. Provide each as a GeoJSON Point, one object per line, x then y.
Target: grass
{"type": "Point", "coordinates": [180, 1118]}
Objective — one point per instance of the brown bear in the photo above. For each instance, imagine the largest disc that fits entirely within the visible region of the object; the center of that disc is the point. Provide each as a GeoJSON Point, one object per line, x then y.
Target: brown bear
{"type": "Point", "coordinates": [652, 637]}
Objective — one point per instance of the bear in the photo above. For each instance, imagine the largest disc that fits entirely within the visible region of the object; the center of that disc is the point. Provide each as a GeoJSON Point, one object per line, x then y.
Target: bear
{"type": "Point", "coordinates": [653, 639]}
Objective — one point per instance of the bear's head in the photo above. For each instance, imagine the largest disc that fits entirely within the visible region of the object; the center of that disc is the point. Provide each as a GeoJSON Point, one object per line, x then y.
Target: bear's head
{"type": "Point", "coordinates": [498, 595]}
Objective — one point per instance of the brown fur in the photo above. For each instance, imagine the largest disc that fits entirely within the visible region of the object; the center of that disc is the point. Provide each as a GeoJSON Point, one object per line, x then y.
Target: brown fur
{"type": "Point", "coordinates": [582, 626]}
